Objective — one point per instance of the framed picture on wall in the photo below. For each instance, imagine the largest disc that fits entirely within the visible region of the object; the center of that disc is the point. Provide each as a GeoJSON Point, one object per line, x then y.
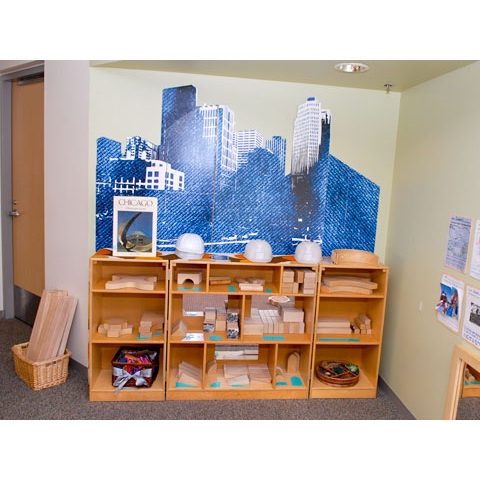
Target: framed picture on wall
{"type": "Point", "coordinates": [134, 226]}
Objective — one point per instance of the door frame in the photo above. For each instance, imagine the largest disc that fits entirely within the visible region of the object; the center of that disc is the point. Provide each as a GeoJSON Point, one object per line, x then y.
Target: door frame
{"type": "Point", "coordinates": [6, 182]}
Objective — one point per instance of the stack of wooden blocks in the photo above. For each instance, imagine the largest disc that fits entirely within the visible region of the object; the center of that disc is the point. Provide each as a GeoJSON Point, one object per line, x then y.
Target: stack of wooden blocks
{"type": "Point", "coordinates": [299, 279]}
{"type": "Point", "coordinates": [233, 325]}
{"type": "Point", "coordinates": [285, 319]}
{"type": "Point", "coordinates": [362, 324]}
{"type": "Point", "coordinates": [52, 325]}
{"type": "Point", "coordinates": [189, 374]}
{"type": "Point", "coordinates": [115, 327]}
{"type": "Point", "coordinates": [292, 318]}
{"type": "Point", "coordinates": [327, 325]}
{"type": "Point", "coordinates": [210, 318]}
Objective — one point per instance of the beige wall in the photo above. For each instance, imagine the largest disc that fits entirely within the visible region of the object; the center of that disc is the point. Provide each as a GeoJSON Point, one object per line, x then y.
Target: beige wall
{"type": "Point", "coordinates": [436, 175]}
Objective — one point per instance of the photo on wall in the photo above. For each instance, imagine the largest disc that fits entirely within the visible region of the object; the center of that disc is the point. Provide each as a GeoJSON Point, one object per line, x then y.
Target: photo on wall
{"type": "Point", "coordinates": [231, 186]}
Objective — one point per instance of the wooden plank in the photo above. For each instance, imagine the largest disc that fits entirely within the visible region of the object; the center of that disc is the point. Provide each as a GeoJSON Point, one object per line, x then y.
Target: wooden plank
{"type": "Point", "coordinates": [44, 317]}
{"type": "Point", "coordinates": [342, 280]}
{"type": "Point", "coordinates": [53, 331]}
{"type": "Point", "coordinates": [72, 303]}
{"type": "Point", "coordinates": [345, 288]}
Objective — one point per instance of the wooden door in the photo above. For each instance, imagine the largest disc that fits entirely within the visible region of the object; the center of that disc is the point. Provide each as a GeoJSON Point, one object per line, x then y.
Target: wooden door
{"type": "Point", "coordinates": [27, 210]}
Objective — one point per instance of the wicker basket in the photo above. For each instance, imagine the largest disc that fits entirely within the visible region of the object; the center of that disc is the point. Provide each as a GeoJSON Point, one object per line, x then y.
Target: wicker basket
{"type": "Point", "coordinates": [40, 375]}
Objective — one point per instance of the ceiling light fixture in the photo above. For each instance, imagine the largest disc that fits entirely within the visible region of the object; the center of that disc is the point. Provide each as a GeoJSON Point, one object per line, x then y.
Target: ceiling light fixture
{"type": "Point", "coordinates": [351, 67]}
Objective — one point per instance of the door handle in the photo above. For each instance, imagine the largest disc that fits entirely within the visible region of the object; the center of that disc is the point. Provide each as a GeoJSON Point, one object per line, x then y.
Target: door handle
{"type": "Point", "coordinates": [14, 213]}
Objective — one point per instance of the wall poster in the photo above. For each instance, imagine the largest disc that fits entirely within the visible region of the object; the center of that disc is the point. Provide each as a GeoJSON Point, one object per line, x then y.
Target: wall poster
{"type": "Point", "coordinates": [230, 186]}
{"type": "Point", "coordinates": [471, 320]}
{"type": "Point", "coordinates": [475, 262]}
{"type": "Point", "coordinates": [458, 242]}
{"type": "Point", "coordinates": [450, 301]}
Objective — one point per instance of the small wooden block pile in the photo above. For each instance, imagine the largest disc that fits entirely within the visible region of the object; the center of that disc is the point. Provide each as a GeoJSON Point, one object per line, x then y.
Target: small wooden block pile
{"type": "Point", "coordinates": [115, 327]}
{"type": "Point", "coordinates": [299, 279]}
{"type": "Point", "coordinates": [151, 324]}
{"type": "Point", "coordinates": [362, 324]}
{"type": "Point", "coordinates": [189, 374]}
{"type": "Point", "coordinates": [251, 284]}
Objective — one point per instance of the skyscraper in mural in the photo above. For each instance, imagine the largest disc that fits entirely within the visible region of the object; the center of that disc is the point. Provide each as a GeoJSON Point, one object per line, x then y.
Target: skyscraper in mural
{"type": "Point", "coordinates": [227, 187]}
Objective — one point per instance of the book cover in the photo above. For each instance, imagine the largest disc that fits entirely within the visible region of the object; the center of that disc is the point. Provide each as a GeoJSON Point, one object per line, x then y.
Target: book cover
{"type": "Point", "coordinates": [134, 226]}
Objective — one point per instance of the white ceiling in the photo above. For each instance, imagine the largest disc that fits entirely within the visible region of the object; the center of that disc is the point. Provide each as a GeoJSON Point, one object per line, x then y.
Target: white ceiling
{"type": "Point", "coordinates": [402, 74]}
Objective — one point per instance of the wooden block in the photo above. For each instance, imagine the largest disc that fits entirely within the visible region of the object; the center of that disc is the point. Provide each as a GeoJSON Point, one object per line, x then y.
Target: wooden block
{"type": "Point", "coordinates": [195, 276]}
{"type": "Point", "coordinates": [299, 275]}
{"type": "Point", "coordinates": [288, 275]}
{"type": "Point", "coordinates": [293, 362]}
{"type": "Point", "coordinates": [240, 380]}
{"type": "Point", "coordinates": [220, 325]}
{"type": "Point", "coordinates": [362, 318]}
{"type": "Point", "coordinates": [345, 289]}
{"type": "Point", "coordinates": [335, 330]}
{"type": "Point", "coordinates": [141, 282]}
{"type": "Point", "coordinates": [346, 280]}
{"type": "Point", "coordinates": [250, 287]}
{"type": "Point", "coordinates": [127, 331]}
{"type": "Point", "coordinates": [113, 323]}
{"type": "Point", "coordinates": [180, 328]}
{"type": "Point", "coordinates": [220, 280]}
{"type": "Point", "coordinates": [146, 335]}
{"type": "Point", "coordinates": [153, 317]}
{"type": "Point", "coordinates": [231, 370]}
{"type": "Point", "coordinates": [211, 367]}
{"type": "Point", "coordinates": [333, 322]}
{"type": "Point", "coordinates": [354, 257]}
{"type": "Point", "coordinates": [113, 333]}
{"type": "Point", "coordinates": [292, 314]}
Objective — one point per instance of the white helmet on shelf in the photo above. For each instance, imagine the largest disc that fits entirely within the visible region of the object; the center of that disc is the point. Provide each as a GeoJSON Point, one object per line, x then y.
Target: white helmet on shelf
{"type": "Point", "coordinates": [308, 252]}
{"type": "Point", "coordinates": [258, 251]}
{"type": "Point", "coordinates": [189, 245]}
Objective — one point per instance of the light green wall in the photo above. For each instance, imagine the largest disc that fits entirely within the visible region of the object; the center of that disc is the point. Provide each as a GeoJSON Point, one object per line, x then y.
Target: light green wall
{"type": "Point", "coordinates": [437, 171]}
{"type": "Point", "coordinates": [363, 130]}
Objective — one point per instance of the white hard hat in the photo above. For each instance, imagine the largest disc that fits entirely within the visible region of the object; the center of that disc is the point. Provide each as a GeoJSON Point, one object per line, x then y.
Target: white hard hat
{"type": "Point", "coordinates": [258, 251]}
{"type": "Point", "coordinates": [308, 252]}
{"type": "Point", "coordinates": [189, 245]}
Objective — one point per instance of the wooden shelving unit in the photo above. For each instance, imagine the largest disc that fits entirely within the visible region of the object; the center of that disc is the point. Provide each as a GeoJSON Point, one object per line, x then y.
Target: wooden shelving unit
{"type": "Point", "coordinates": [194, 289]}
{"type": "Point", "coordinates": [276, 348]}
{"type": "Point", "coordinates": [129, 304]}
{"type": "Point", "coordinates": [363, 350]}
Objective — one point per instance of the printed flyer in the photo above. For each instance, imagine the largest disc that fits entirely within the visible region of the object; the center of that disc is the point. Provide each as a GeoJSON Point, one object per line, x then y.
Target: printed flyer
{"type": "Point", "coordinates": [471, 320]}
{"type": "Point", "coordinates": [450, 301]}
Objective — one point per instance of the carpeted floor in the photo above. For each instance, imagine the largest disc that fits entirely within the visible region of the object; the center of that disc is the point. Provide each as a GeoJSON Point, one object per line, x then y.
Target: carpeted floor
{"type": "Point", "coordinates": [69, 401]}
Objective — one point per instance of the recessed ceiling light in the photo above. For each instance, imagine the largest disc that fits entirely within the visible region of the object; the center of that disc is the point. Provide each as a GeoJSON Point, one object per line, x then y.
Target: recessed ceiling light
{"type": "Point", "coordinates": [351, 67]}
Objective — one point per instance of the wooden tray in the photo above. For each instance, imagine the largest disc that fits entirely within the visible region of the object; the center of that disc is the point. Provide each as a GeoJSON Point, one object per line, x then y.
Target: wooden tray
{"type": "Point", "coordinates": [337, 373]}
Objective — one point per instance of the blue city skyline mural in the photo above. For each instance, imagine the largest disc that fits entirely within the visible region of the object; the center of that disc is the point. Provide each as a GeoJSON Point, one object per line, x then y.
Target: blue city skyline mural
{"type": "Point", "coordinates": [231, 186]}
